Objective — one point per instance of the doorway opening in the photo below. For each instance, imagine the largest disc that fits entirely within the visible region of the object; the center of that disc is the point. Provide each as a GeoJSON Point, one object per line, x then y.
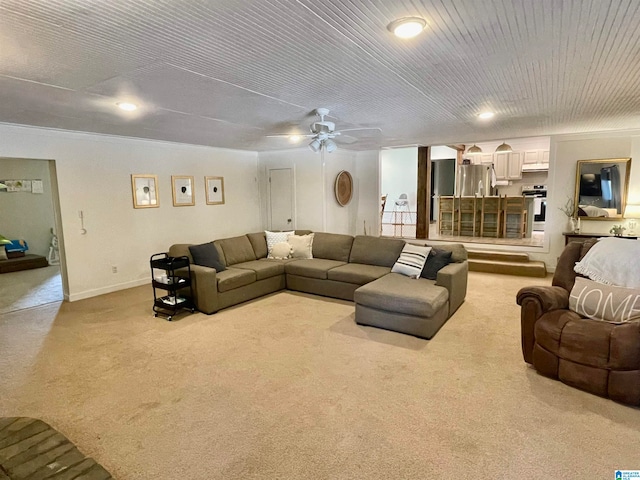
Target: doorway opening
{"type": "Point", "coordinates": [34, 273]}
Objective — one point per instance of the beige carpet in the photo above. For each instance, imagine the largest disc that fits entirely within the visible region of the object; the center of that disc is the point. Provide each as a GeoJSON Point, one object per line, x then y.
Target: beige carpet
{"type": "Point", "coordinates": [290, 387]}
{"type": "Point", "coordinates": [30, 288]}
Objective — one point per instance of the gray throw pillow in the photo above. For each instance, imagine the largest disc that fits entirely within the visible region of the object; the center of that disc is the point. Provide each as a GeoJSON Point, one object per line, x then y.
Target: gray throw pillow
{"type": "Point", "coordinates": [207, 256]}
{"type": "Point", "coordinates": [437, 259]}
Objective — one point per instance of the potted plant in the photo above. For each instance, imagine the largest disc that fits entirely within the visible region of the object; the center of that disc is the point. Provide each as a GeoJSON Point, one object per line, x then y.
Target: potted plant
{"type": "Point", "coordinates": [617, 230]}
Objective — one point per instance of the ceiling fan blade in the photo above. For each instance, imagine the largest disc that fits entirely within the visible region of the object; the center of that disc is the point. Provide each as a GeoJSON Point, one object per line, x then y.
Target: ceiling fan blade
{"type": "Point", "coordinates": [287, 135]}
{"type": "Point", "coordinates": [346, 139]}
{"type": "Point", "coordinates": [363, 128]}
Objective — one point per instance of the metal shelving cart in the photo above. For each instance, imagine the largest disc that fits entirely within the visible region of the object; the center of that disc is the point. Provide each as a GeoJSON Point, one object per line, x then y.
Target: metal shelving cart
{"type": "Point", "coordinates": [176, 284]}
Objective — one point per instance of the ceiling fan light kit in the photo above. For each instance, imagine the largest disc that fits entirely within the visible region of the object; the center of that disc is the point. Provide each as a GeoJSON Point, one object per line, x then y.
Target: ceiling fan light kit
{"type": "Point", "coordinates": [315, 145]}
{"type": "Point", "coordinates": [323, 132]}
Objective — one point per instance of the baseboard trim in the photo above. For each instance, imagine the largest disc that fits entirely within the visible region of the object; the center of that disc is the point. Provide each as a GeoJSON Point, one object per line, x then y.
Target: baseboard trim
{"type": "Point", "coordinates": [74, 297]}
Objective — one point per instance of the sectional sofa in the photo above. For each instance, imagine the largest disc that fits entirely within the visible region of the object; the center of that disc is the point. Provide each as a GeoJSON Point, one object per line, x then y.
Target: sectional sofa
{"type": "Point", "coordinates": [346, 267]}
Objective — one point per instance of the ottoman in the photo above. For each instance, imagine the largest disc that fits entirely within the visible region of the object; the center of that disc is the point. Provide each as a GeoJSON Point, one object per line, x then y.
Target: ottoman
{"type": "Point", "coordinates": [396, 302]}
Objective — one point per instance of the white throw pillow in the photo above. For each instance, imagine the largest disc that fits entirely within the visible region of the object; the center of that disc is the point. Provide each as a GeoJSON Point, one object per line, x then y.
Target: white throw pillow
{"type": "Point", "coordinates": [275, 237]}
{"type": "Point", "coordinates": [302, 245]}
{"type": "Point", "coordinates": [280, 251]}
{"type": "Point", "coordinates": [3, 253]}
{"type": "Point", "coordinates": [411, 260]}
{"type": "Point", "coordinates": [604, 302]}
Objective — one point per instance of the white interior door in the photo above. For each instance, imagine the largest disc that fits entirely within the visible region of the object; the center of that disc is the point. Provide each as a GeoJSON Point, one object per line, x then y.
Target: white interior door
{"type": "Point", "coordinates": [281, 199]}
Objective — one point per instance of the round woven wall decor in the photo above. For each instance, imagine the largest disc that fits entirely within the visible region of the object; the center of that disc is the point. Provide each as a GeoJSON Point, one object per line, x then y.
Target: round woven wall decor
{"type": "Point", "coordinates": [344, 188]}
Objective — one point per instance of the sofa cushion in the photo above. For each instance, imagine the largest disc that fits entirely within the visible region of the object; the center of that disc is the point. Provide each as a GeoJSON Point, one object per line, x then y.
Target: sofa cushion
{"type": "Point", "coordinates": [264, 268]}
{"type": "Point", "coordinates": [411, 260]}
{"type": "Point", "coordinates": [235, 277]}
{"type": "Point", "coordinates": [207, 256]}
{"type": "Point", "coordinates": [332, 246]}
{"type": "Point", "coordinates": [397, 293]}
{"type": "Point", "coordinates": [436, 260]}
{"type": "Point", "coordinates": [237, 249]}
{"type": "Point", "coordinates": [312, 267]}
{"type": "Point", "coordinates": [259, 243]}
{"type": "Point", "coordinates": [383, 252]}
{"type": "Point", "coordinates": [357, 273]}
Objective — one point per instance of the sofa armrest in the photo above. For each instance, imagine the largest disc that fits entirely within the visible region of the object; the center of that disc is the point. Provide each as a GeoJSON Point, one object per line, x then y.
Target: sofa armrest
{"type": "Point", "coordinates": [205, 287]}
{"type": "Point", "coordinates": [535, 302]}
{"type": "Point", "coordinates": [453, 277]}
{"type": "Point", "coordinates": [550, 298]}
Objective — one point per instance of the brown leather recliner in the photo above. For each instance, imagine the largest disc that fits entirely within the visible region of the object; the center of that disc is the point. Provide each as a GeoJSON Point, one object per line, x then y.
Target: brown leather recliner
{"type": "Point", "coordinates": [596, 356]}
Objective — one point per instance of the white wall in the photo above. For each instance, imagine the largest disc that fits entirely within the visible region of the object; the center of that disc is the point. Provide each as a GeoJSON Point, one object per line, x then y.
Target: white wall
{"type": "Point", "coordinates": [26, 215]}
{"type": "Point", "coordinates": [316, 208]}
{"type": "Point", "coordinates": [398, 175]}
{"type": "Point", "coordinates": [93, 174]}
{"type": "Point", "coordinates": [367, 180]}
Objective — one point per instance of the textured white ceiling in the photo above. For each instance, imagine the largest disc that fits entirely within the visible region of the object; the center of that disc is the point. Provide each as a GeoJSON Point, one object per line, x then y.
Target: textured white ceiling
{"type": "Point", "coordinates": [228, 72]}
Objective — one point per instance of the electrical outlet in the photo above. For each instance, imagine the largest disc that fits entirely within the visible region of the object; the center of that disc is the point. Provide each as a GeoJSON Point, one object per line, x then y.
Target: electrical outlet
{"type": "Point", "coordinates": [114, 269]}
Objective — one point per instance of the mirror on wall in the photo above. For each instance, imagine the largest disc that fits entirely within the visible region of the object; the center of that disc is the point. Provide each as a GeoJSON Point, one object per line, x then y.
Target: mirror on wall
{"type": "Point", "coordinates": [601, 188]}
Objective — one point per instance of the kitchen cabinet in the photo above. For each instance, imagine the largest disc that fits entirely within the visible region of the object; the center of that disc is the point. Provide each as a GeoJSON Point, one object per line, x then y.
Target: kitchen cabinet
{"type": "Point", "coordinates": [508, 166]}
{"type": "Point", "coordinates": [535, 160]}
{"type": "Point", "coordinates": [531, 156]}
{"type": "Point", "coordinates": [486, 158]}
{"type": "Point", "coordinates": [545, 157]}
{"type": "Point", "coordinates": [481, 159]}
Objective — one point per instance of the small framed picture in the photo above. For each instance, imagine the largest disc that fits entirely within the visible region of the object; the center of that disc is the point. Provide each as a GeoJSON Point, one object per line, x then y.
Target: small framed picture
{"type": "Point", "coordinates": [215, 190]}
{"type": "Point", "coordinates": [182, 190]}
{"type": "Point", "coordinates": [145, 191]}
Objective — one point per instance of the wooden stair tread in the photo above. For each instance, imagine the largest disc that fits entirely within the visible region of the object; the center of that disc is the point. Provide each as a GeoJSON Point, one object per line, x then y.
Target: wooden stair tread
{"type": "Point", "coordinates": [498, 255]}
{"type": "Point", "coordinates": [526, 269]}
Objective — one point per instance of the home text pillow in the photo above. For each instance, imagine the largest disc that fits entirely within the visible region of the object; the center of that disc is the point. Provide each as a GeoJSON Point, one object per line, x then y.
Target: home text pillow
{"type": "Point", "coordinates": [411, 260]}
{"type": "Point", "coordinates": [207, 256]}
{"type": "Point", "coordinates": [275, 237]}
{"type": "Point", "coordinates": [301, 245]}
{"type": "Point", "coordinates": [604, 302]}
{"type": "Point", "coordinates": [280, 251]}
{"type": "Point", "coordinates": [612, 261]}
{"type": "Point", "coordinates": [436, 260]}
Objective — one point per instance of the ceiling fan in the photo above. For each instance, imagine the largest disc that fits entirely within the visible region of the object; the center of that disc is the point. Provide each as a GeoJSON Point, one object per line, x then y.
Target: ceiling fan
{"type": "Point", "coordinates": [323, 133]}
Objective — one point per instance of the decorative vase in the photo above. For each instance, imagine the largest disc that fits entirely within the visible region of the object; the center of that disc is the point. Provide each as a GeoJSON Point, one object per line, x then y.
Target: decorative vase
{"type": "Point", "coordinates": [571, 224]}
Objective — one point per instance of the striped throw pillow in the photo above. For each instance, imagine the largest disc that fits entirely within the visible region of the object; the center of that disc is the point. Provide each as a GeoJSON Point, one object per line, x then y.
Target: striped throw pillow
{"type": "Point", "coordinates": [411, 260]}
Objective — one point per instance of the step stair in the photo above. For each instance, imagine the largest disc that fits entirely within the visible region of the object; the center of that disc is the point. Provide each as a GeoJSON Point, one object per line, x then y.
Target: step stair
{"type": "Point", "coordinates": [506, 263]}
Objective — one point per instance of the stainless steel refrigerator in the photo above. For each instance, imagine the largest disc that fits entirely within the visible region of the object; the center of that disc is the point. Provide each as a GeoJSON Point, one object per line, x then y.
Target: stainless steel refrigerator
{"type": "Point", "coordinates": [474, 180]}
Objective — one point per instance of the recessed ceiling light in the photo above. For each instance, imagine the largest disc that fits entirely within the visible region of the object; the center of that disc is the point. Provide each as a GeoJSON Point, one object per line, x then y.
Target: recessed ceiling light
{"type": "Point", "coordinates": [486, 115]}
{"type": "Point", "coordinates": [407, 27]}
{"type": "Point", "coordinates": [295, 138]}
{"type": "Point", "coordinates": [129, 107]}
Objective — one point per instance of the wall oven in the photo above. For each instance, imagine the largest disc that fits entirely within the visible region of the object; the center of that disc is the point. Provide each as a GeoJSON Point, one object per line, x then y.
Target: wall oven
{"type": "Point", "coordinates": [539, 195]}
